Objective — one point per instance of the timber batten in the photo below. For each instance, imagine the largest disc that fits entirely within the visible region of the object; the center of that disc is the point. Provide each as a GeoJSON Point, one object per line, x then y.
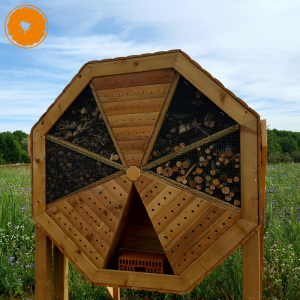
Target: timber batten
{"type": "Point", "coordinates": [148, 154]}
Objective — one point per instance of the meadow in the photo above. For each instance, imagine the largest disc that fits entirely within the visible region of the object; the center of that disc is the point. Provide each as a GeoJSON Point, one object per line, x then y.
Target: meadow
{"type": "Point", "coordinates": [281, 259]}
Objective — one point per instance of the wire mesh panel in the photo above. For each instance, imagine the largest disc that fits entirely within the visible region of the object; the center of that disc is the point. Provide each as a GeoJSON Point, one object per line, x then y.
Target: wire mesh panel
{"type": "Point", "coordinates": [82, 125]}
{"type": "Point", "coordinates": [191, 117]}
{"type": "Point", "coordinates": [213, 168]}
{"type": "Point", "coordinates": [68, 171]}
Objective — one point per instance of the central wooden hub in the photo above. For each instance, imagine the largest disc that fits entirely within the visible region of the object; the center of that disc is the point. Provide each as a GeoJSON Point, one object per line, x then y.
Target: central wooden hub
{"type": "Point", "coordinates": [133, 173]}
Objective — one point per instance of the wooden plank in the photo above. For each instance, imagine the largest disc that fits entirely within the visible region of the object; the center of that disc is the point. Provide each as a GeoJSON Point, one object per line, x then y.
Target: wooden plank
{"type": "Point", "coordinates": [100, 209]}
{"type": "Point", "coordinates": [83, 226]}
{"type": "Point", "coordinates": [213, 91]}
{"type": "Point", "coordinates": [129, 120]}
{"type": "Point", "coordinates": [151, 191]}
{"type": "Point", "coordinates": [182, 221]}
{"type": "Point", "coordinates": [133, 79]}
{"type": "Point", "coordinates": [218, 251]}
{"type": "Point", "coordinates": [162, 200]}
{"type": "Point", "coordinates": [132, 133]}
{"type": "Point", "coordinates": [133, 93]}
{"type": "Point", "coordinates": [91, 218]}
{"type": "Point", "coordinates": [142, 183]}
{"type": "Point", "coordinates": [114, 292]}
{"type": "Point", "coordinates": [116, 190]}
{"type": "Point", "coordinates": [60, 275]}
{"type": "Point", "coordinates": [75, 236]}
{"type": "Point", "coordinates": [140, 231]}
{"type": "Point", "coordinates": [75, 255]}
{"type": "Point", "coordinates": [133, 65]}
{"type": "Point", "coordinates": [251, 268]}
{"type": "Point", "coordinates": [39, 174]}
{"type": "Point", "coordinates": [202, 243]}
{"type": "Point", "coordinates": [63, 103]}
{"type": "Point", "coordinates": [168, 214]}
{"type": "Point", "coordinates": [108, 200]}
{"type": "Point", "coordinates": [262, 199]}
{"type": "Point", "coordinates": [249, 176]}
{"type": "Point", "coordinates": [121, 226]}
{"type": "Point", "coordinates": [134, 146]}
{"type": "Point", "coordinates": [131, 242]}
{"type": "Point", "coordinates": [195, 229]}
{"type": "Point", "coordinates": [133, 159]}
{"type": "Point", "coordinates": [163, 283]}
{"type": "Point", "coordinates": [133, 106]}
{"type": "Point", "coordinates": [124, 182]}
{"type": "Point", "coordinates": [43, 265]}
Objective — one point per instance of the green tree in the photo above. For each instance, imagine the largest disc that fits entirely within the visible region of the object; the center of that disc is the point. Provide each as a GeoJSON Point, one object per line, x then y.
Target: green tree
{"type": "Point", "coordinates": [273, 142]}
{"type": "Point", "coordinates": [288, 144]}
{"type": "Point", "coordinates": [12, 149]}
{"type": "Point", "coordinates": [21, 137]}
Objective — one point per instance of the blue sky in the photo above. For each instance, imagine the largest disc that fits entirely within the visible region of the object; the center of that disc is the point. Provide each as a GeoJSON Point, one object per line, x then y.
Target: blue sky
{"type": "Point", "coordinates": [252, 47]}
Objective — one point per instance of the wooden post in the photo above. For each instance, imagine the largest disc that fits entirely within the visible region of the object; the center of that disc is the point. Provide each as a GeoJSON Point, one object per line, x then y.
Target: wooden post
{"type": "Point", "coordinates": [43, 265]}
{"type": "Point", "coordinates": [114, 292]}
{"type": "Point", "coordinates": [60, 275]}
{"type": "Point", "coordinates": [251, 268]}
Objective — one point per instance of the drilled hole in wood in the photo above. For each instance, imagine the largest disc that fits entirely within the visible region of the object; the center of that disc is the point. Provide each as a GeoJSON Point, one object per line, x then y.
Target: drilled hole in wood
{"type": "Point", "coordinates": [172, 211]}
{"type": "Point", "coordinates": [58, 218]}
{"type": "Point", "coordinates": [171, 230]}
{"type": "Point", "coordinates": [110, 220]}
{"type": "Point", "coordinates": [114, 188]}
{"type": "Point", "coordinates": [183, 198]}
{"type": "Point", "coordinates": [184, 260]}
{"type": "Point", "coordinates": [99, 208]}
{"type": "Point", "coordinates": [69, 228]}
{"type": "Point", "coordinates": [102, 246]}
{"type": "Point", "coordinates": [95, 203]}
{"type": "Point", "coordinates": [216, 230]}
{"type": "Point", "coordinates": [208, 238]}
{"type": "Point", "coordinates": [80, 223]}
{"type": "Point", "coordinates": [185, 218]}
{"type": "Point", "coordinates": [151, 192]}
{"type": "Point", "coordinates": [207, 218]}
{"type": "Point", "coordinates": [165, 217]}
{"type": "Point", "coordinates": [86, 212]}
{"type": "Point", "coordinates": [96, 257]}
{"type": "Point", "coordinates": [200, 225]}
{"type": "Point", "coordinates": [178, 224]}
{"type": "Point", "coordinates": [170, 193]}
{"type": "Point", "coordinates": [178, 204]}
{"type": "Point", "coordinates": [91, 252]}
{"type": "Point", "coordinates": [116, 207]}
{"type": "Point", "coordinates": [199, 246]}
{"type": "Point", "coordinates": [105, 197]}
{"type": "Point", "coordinates": [65, 224]}
{"type": "Point", "coordinates": [152, 209]}
{"type": "Point", "coordinates": [75, 234]}
{"type": "Point", "coordinates": [158, 204]}
{"type": "Point", "coordinates": [178, 265]}
{"type": "Point", "coordinates": [89, 198]}
{"type": "Point", "coordinates": [120, 194]}
{"type": "Point", "coordinates": [192, 211]}
{"type": "Point", "coordinates": [229, 218]}
{"type": "Point", "coordinates": [178, 246]}
{"type": "Point", "coordinates": [214, 212]}
{"type": "Point", "coordinates": [85, 246]}
{"type": "Point", "coordinates": [165, 198]}
{"type": "Point", "coordinates": [172, 251]}
{"type": "Point", "coordinates": [158, 223]}
{"type": "Point", "coordinates": [198, 205]}
{"type": "Point", "coordinates": [54, 214]}
{"type": "Point", "coordinates": [193, 231]}
{"type": "Point", "coordinates": [156, 186]}
{"type": "Point", "coordinates": [223, 223]}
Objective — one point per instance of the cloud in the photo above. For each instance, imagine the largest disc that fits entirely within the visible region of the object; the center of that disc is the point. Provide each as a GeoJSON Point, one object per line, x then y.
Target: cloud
{"type": "Point", "coordinates": [249, 46]}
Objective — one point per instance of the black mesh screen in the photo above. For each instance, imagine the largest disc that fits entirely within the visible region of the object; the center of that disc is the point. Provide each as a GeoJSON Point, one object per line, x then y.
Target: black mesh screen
{"type": "Point", "coordinates": [68, 171]}
{"type": "Point", "coordinates": [82, 125]}
{"type": "Point", "coordinates": [213, 169]}
{"type": "Point", "coordinates": [191, 117]}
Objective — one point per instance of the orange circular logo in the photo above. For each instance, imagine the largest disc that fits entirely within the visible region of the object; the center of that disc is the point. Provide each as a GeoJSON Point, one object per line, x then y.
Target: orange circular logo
{"type": "Point", "coordinates": [26, 26]}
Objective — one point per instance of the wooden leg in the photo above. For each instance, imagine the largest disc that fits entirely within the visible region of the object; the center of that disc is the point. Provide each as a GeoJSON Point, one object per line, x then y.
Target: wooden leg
{"type": "Point", "coordinates": [251, 268]}
{"type": "Point", "coordinates": [43, 266]}
{"type": "Point", "coordinates": [114, 292]}
{"type": "Point", "coordinates": [60, 275]}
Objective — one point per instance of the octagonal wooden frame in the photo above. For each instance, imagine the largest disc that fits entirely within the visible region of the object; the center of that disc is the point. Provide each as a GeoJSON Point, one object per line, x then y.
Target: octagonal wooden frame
{"type": "Point", "coordinates": [248, 231]}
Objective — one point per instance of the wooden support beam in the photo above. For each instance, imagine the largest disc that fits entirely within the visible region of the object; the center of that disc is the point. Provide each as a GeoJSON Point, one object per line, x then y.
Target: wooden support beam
{"type": "Point", "coordinates": [251, 268]}
{"type": "Point", "coordinates": [263, 193]}
{"type": "Point", "coordinates": [114, 292]}
{"type": "Point", "coordinates": [43, 265]}
{"type": "Point", "coordinates": [60, 275]}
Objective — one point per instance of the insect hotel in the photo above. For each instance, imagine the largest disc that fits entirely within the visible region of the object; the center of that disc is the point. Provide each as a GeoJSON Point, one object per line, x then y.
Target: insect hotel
{"type": "Point", "coordinates": [147, 173]}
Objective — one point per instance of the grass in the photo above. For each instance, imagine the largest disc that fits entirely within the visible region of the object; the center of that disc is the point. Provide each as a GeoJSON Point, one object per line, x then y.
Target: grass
{"type": "Point", "coordinates": [281, 259]}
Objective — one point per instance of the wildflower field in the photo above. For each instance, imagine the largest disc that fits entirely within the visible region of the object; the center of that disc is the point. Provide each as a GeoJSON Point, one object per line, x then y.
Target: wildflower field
{"type": "Point", "coordinates": [281, 259]}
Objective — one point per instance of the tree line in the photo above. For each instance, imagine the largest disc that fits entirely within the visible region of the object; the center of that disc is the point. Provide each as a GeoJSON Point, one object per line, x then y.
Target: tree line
{"type": "Point", "coordinates": [283, 146]}
{"type": "Point", "coordinates": [13, 147]}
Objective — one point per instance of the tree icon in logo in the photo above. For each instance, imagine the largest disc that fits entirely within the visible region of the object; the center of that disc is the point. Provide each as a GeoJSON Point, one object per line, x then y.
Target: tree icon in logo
{"type": "Point", "coordinates": [26, 26]}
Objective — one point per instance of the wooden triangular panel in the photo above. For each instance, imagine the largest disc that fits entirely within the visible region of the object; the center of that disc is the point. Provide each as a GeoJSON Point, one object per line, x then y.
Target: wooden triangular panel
{"type": "Point", "coordinates": [185, 224]}
{"type": "Point", "coordinates": [93, 218]}
{"type": "Point", "coordinates": [132, 103]}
